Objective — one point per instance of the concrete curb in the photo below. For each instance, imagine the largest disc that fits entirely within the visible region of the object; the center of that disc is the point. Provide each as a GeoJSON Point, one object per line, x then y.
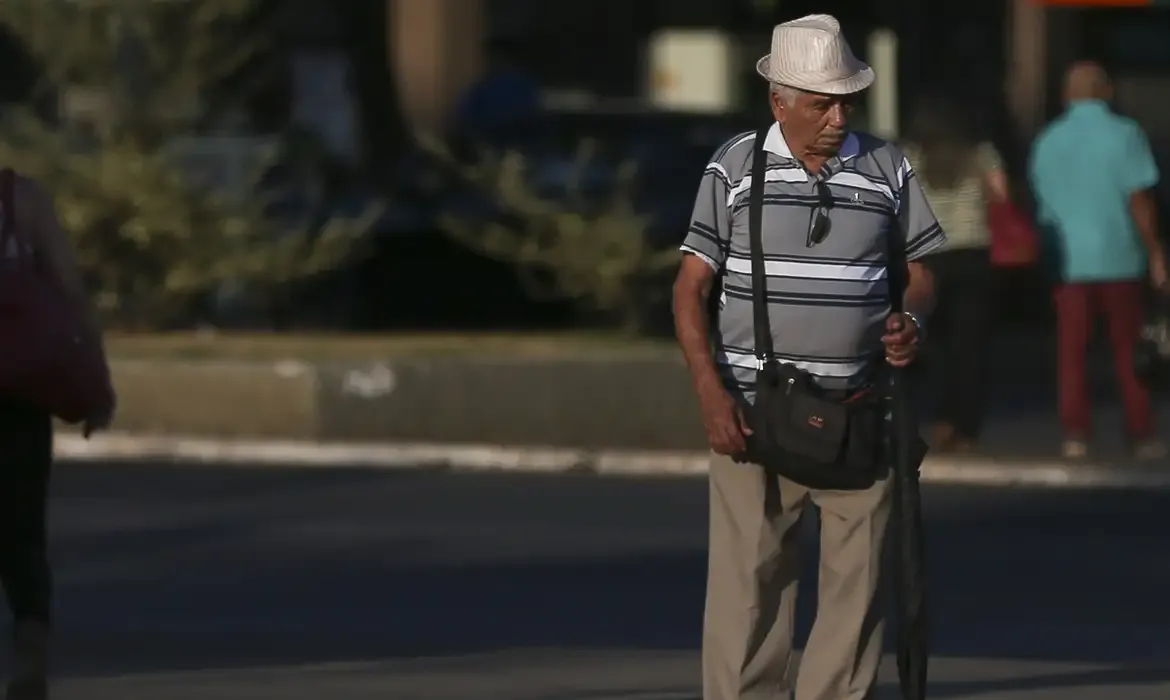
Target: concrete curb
{"type": "Point", "coordinates": [487, 458]}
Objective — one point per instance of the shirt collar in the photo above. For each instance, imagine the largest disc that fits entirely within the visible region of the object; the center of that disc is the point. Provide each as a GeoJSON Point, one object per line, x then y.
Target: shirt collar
{"type": "Point", "coordinates": [1091, 106]}
{"type": "Point", "coordinates": [775, 143]}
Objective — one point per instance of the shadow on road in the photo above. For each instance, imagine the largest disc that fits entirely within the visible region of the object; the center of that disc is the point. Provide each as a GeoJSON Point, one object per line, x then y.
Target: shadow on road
{"type": "Point", "coordinates": [1117, 678]}
{"type": "Point", "coordinates": [176, 568]}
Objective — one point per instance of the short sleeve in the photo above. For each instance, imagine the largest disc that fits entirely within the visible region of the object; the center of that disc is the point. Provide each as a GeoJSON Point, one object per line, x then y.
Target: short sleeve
{"type": "Point", "coordinates": [988, 158]}
{"type": "Point", "coordinates": [1036, 164]}
{"type": "Point", "coordinates": [1139, 171]}
{"type": "Point", "coordinates": [709, 234]}
{"type": "Point", "coordinates": [916, 221]}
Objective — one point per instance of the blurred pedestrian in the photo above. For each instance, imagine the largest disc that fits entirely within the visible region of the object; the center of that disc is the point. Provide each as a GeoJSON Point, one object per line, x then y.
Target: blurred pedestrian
{"type": "Point", "coordinates": [832, 206]}
{"type": "Point", "coordinates": [26, 440]}
{"type": "Point", "coordinates": [1093, 176]}
{"type": "Point", "coordinates": [962, 175]}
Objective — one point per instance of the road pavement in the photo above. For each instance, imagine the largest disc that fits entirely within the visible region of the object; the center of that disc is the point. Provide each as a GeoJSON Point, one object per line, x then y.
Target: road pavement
{"type": "Point", "coordinates": [217, 584]}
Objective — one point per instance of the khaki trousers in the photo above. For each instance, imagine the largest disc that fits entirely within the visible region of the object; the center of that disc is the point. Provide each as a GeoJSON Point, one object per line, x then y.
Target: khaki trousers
{"type": "Point", "coordinates": [753, 571]}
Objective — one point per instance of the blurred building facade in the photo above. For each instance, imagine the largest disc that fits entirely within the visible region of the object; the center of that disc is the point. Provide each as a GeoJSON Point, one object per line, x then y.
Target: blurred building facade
{"type": "Point", "coordinates": [1004, 56]}
{"type": "Point", "coordinates": [1132, 42]}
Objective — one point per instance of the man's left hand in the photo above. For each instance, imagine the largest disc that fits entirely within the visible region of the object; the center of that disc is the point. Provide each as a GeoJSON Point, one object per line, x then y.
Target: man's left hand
{"type": "Point", "coordinates": [901, 340]}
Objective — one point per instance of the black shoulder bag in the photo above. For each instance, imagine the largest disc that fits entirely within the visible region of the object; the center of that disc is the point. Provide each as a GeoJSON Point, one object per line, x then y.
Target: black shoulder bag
{"type": "Point", "coordinates": [820, 439]}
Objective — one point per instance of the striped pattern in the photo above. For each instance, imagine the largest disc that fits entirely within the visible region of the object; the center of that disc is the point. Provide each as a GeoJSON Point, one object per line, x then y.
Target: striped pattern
{"type": "Point", "coordinates": [963, 208]}
{"type": "Point", "coordinates": [827, 303]}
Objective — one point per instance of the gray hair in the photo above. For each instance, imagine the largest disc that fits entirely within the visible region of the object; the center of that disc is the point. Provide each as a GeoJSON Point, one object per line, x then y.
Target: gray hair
{"type": "Point", "coordinates": [786, 94]}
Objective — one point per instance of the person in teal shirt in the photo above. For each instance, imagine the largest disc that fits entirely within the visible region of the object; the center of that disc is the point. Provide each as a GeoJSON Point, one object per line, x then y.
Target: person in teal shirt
{"type": "Point", "coordinates": [1092, 174]}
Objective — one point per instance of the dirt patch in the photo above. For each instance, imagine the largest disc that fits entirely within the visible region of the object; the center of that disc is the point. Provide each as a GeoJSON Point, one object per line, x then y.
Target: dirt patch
{"type": "Point", "coordinates": [272, 346]}
{"type": "Point", "coordinates": [588, 402]}
{"type": "Point", "coordinates": [631, 403]}
{"type": "Point", "coordinates": [217, 399]}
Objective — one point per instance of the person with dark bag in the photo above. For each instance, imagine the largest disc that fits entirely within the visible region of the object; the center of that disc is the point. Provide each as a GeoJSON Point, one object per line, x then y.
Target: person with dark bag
{"type": "Point", "coordinates": [816, 235]}
{"type": "Point", "coordinates": [51, 364]}
{"type": "Point", "coordinates": [1151, 354]}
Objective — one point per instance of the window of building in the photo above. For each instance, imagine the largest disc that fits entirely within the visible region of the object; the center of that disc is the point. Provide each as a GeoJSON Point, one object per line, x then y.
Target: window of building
{"type": "Point", "coordinates": [1128, 39]}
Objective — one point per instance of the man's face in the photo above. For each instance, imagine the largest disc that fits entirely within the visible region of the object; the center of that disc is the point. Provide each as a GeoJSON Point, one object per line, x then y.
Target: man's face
{"type": "Point", "coordinates": [816, 124]}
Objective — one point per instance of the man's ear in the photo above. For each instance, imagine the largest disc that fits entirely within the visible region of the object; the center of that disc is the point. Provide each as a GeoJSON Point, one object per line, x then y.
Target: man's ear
{"type": "Point", "coordinates": [779, 109]}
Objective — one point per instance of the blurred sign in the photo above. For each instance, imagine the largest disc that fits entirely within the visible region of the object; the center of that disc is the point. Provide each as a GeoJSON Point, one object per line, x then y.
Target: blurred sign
{"type": "Point", "coordinates": [1102, 3]}
{"type": "Point", "coordinates": [882, 52]}
{"type": "Point", "coordinates": [693, 70]}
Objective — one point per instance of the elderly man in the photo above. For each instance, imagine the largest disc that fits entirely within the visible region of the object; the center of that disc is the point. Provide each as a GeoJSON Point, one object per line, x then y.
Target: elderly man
{"type": "Point", "coordinates": [1092, 173]}
{"type": "Point", "coordinates": [832, 202]}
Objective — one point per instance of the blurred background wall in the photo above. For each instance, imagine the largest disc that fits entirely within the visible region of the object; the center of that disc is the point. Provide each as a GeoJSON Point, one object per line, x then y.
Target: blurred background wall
{"type": "Point", "coordinates": [355, 86]}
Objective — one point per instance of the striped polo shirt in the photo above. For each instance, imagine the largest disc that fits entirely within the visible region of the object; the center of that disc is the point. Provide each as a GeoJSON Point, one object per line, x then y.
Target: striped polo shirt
{"type": "Point", "coordinates": [827, 302]}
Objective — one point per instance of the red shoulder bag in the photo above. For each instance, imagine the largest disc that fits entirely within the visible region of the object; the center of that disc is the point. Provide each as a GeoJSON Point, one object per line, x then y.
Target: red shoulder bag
{"type": "Point", "coordinates": [45, 358]}
{"type": "Point", "coordinates": [1014, 241]}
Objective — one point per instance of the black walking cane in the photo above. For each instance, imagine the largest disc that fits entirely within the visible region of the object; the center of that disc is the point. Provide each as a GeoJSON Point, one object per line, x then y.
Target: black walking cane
{"type": "Point", "coordinates": [907, 452]}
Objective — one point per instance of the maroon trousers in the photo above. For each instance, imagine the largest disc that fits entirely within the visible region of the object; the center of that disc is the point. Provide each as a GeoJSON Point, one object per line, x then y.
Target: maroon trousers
{"type": "Point", "coordinates": [1077, 308]}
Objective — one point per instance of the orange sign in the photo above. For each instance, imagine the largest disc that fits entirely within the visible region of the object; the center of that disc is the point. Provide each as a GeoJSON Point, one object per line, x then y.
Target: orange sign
{"type": "Point", "coordinates": [1097, 3]}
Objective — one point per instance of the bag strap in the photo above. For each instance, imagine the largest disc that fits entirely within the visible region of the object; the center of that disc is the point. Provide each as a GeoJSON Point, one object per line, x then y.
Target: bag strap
{"type": "Point", "coordinates": [909, 570]}
{"type": "Point", "coordinates": [760, 321]}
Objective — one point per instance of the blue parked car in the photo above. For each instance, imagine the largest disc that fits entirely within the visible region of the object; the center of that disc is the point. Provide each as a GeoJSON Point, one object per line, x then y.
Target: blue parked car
{"type": "Point", "coordinates": [577, 157]}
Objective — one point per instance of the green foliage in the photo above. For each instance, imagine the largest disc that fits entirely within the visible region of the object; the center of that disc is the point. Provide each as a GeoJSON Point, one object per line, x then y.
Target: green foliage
{"type": "Point", "coordinates": [154, 58]}
{"type": "Point", "coordinates": [593, 252]}
{"type": "Point", "coordinates": [151, 235]}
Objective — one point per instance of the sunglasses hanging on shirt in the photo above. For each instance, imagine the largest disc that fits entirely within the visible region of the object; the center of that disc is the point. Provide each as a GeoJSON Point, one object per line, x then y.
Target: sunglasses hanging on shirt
{"type": "Point", "coordinates": [819, 225]}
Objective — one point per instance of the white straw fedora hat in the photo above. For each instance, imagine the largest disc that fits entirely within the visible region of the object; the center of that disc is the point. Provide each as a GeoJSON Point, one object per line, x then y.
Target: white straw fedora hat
{"type": "Point", "coordinates": [810, 54]}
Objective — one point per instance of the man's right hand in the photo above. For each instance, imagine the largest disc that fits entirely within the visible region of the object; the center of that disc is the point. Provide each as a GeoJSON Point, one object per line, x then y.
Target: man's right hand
{"type": "Point", "coordinates": [1158, 272]}
{"type": "Point", "coordinates": [727, 428]}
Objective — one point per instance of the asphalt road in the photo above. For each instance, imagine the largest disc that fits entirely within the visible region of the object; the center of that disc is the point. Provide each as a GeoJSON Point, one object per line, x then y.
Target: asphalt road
{"type": "Point", "coordinates": [203, 583]}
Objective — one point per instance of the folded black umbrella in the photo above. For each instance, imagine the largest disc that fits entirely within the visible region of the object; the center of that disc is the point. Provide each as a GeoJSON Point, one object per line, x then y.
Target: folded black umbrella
{"type": "Point", "coordinates": [913, 623]}
{"type": "Point", "coordinates": [907, 450]}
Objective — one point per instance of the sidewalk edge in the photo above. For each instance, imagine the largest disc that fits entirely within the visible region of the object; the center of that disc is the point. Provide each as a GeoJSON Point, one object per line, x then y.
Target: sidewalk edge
{"type": "Point", "coordinates": [123, 447]}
